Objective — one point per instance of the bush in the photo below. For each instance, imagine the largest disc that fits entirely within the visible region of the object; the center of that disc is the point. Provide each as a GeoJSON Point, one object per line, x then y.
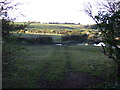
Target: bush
{"type": "Point", "coordinates": [38, 40]}
{"type": "Point", "coordinates": [75, 38]}
{"type": "Point", "coordinates": [107, 85]}
{"type": "Point", "coordinates": [9, 54]}
{"type": "Point", "coordinates": [7, 57]}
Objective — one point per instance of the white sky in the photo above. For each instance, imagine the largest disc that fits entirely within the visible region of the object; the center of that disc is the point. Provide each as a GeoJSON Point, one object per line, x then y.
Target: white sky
{"type": "Point", "coordinates": [54, 11]}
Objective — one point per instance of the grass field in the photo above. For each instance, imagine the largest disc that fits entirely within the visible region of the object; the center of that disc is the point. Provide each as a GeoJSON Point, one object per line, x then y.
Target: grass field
{"type": "Point", "coordinates": [51, 26]}
{"type": "Point", "coordinates": [52, 62]}
{"type": "Point", "coordinates": [42, 26]}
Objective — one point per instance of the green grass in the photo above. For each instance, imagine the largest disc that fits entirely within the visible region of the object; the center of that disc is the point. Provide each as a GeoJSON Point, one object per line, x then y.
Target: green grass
{"type": "Point", "coordinates": [50, 62]}
{"type": "Point", "coordinates": [89, 59]}
{"type": "Point", "coordinates": [38, 62]}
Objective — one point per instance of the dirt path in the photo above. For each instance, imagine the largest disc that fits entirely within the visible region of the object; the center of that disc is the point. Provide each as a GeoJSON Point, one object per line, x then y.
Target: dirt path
{"type": "Point", "coordinates": [72, 79]}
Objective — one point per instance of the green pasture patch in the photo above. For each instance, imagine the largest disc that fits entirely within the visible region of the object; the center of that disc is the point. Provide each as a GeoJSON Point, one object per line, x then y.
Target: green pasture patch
{"type": "Point", "coordinates": [57, 65]}
{"type": "Point", "coordinates": [89, 59]}
{"type": "Point", "coordinates": [48, 61]}
{"type": "Point", "coordinates": [31, 65]}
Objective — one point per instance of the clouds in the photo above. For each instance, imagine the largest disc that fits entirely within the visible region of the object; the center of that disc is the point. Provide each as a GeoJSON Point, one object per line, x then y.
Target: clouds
{"type": "Point", "coordinates": [54, 11]}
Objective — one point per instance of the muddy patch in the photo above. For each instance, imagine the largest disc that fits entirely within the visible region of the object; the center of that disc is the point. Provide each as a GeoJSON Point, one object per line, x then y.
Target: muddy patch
{"type": "Point", "coordinates": [72, 80]}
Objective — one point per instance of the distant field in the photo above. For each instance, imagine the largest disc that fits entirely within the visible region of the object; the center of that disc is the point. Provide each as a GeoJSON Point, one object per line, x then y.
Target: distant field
{"type": "Point", "coordinates": [52, 62]}
{"type": "Point", "coordinates": [57, 30]}
{"type": "Point", "coordinates": [54, 26]}
{"type": "Point", "coordinates": [50, 26]}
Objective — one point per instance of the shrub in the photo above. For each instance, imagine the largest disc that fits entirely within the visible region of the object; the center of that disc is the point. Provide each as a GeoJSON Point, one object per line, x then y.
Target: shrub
{"type": "Point", "coordinates": [108, 85]}
{"type": "Point", "coordinates": [38, 40]}
{"type": "Point", "coordinates": [9, 53]}
{"type": "Point", "coordinates": [75, 38]}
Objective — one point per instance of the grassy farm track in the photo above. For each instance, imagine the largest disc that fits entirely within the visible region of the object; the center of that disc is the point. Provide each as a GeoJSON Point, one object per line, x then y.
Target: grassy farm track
{"type": "Point", "coordinates": [61, 66]}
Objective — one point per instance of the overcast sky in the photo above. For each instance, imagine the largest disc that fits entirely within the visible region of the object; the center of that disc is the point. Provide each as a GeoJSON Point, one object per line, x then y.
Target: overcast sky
{"type": "Point", "coordinates": [54, 11]}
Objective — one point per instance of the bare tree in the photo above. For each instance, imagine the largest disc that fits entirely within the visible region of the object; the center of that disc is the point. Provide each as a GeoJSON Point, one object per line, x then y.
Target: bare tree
{"type": "Point", "coordinates": [108, 21]}
{"type": "Point", "coordinates": [6, 6]}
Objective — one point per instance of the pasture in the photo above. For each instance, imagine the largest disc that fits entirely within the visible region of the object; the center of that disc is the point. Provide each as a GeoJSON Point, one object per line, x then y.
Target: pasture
{"type": "Point", "coordinates": [52, 63]}
{"type": "Point", "coordinates": [48, 65]}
